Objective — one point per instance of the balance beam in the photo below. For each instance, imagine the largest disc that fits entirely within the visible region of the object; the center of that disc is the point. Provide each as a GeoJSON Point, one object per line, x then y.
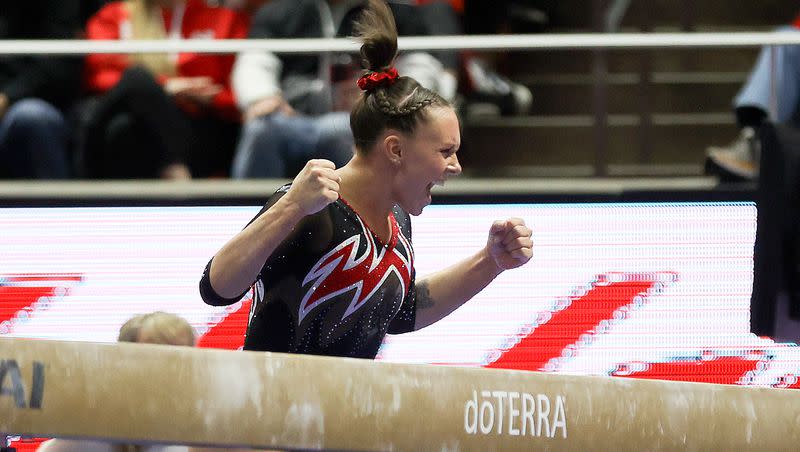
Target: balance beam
{"type": "Point", "coordinates": [176, 395]}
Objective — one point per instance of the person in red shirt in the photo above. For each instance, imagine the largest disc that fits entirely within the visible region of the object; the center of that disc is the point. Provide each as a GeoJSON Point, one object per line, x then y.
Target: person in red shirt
{"type": "Point", "coordinates": [161, 115]}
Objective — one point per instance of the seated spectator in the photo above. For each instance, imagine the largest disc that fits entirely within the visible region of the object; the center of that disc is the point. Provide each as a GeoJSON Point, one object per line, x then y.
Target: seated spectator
{"type": "Point", "coordinates": [296, 107]}
{"type": "Point", "coordinates": [36, 90]}
{"type": "Point", "coordinates": [160, 115]}
{"type": "Point", "coordinates": [739, 161]}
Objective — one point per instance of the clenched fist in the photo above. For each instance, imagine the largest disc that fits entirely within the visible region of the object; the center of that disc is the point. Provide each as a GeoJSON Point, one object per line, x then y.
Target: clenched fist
{"type": "Point", "coordinates": [316, 186]}
{"type": "Point", "coordinates": [510, 243]}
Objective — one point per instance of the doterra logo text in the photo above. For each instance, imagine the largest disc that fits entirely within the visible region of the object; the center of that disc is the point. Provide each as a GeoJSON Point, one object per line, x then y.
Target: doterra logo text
{"type": "Point", "coordinates": [515, 414]}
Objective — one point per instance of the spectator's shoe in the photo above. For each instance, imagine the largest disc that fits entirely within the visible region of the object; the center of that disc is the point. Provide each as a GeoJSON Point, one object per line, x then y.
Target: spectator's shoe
{"type": "Point", "coordinates": [737, 162]}
{"type": "Point", "coordinates": [488, 87]}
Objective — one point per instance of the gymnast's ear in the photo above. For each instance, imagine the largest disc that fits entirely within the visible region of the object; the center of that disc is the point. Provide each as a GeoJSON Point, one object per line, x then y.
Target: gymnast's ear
{"type": "Point", "coordinates": [392, 147]}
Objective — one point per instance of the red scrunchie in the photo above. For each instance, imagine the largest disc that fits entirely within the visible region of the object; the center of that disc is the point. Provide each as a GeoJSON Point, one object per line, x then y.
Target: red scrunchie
{"type": "Point", "coordinates": [372, 80]}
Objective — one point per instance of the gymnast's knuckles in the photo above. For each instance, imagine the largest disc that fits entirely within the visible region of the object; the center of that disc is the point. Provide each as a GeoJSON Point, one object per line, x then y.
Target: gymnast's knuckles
{"type": "Point", "coordinates": [316, 186]}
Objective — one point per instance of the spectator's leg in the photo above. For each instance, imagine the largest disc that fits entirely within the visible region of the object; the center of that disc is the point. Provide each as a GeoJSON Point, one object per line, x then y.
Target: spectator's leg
{"type": "Point", "coordinates": [756, 92]}
{"type": "Point", "coordinates": [123, 156]}
{"type": "Point", "coordinates": [740, 160]}
{"type": "Point", "coordinates": [278, 146]}
{"type": "Point", "coordinates": [34, 139]}
{"type": "Point", "coordinates": [303, 135]}
{"type": "Point", "coordinates": [212, 144]}
{"type": "Point", "coordinates": [335, 142]}
{"type": "Point", "coordinates": [153, 108]}
{"type": "Point", "coordinates": [263, 149]}
{"type": "Point", "coordinates": [140, 96]}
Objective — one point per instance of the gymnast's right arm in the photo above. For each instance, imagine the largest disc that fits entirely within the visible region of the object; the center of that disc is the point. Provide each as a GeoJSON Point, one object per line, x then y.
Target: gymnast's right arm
{"type": "Point", "coordinates": [234, 268]}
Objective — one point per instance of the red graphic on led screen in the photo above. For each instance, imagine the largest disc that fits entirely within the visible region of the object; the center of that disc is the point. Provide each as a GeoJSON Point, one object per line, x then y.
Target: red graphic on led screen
{"type": "Point", "coordinates": [578, 319]}
{"type": "Point", "coordinates": [228, 333]}
{"type": "Point", "coordinates": [22, 295]}
{"type": "Point", "coordinates": [708, 367]}
{"type": "Point", "coordinates": [555, 336]}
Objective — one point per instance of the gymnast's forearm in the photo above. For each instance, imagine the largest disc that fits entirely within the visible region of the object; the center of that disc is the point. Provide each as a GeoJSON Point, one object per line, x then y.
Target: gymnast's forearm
{"type": "Point", "coordinates": [235, 267]}
{"type": "Point", "coordinates": [441, 293]}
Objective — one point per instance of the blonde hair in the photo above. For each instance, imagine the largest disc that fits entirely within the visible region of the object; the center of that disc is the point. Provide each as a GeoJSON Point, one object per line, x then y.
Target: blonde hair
{"type": "Point", "coordinates": [158, 328]}
{"type": "Point", "coordinates": [165, 328]}
{"type": "Point", "coordinates": [129, 331]}
{"type": "Point", "coordinates": [146, 23]}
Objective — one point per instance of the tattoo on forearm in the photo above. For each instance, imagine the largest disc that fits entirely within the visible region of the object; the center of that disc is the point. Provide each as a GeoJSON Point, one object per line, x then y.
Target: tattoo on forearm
{"type": "Point", "coordinates": [424, 300]}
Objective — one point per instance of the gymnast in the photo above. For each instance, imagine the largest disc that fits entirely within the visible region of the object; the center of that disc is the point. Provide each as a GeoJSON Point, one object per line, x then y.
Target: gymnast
{"type": "Point", "coordinates": [329, 257]}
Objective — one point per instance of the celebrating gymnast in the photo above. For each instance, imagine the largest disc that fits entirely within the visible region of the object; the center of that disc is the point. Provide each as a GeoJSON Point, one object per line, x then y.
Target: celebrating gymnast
{"type": "Point", "coordinates": [329, 257]}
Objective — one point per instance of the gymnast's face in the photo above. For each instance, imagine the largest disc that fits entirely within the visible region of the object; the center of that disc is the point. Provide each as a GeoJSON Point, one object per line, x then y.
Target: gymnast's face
{"type": "Point", "coordinates": [427, 158]}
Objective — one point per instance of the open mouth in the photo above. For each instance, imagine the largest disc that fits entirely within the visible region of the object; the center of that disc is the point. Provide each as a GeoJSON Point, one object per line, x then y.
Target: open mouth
{"type": "Point", "coordinates": [429, 188]}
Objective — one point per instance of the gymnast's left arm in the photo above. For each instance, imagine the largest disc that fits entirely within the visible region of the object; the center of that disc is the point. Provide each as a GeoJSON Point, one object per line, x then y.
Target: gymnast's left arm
{"type": "Point", "coordinates": [509, 246]}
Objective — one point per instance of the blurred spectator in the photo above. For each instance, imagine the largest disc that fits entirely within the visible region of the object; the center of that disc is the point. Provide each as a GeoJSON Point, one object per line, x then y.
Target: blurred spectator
{"type": "Point", "coordinates": [160, 115]}
{"type": "Point", "coordinates": [483, 89]}
{"type": "Point", "coordinates": [296, 107]}
{"type": "Point", "coordinates": [129, 331]}
{"type": "Point", "coordinates": [740, 160]}
{"type": "Point", "coordinates": [153, 328]}
{"type": "Point", "coordinates": [158, 328]}
{"type": "Point", "coordinates": [35, 90]}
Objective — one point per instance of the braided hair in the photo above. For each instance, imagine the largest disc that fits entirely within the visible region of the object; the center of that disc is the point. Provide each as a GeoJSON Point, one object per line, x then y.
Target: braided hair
{"type": "Point", "coordinates": [400, 104]}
